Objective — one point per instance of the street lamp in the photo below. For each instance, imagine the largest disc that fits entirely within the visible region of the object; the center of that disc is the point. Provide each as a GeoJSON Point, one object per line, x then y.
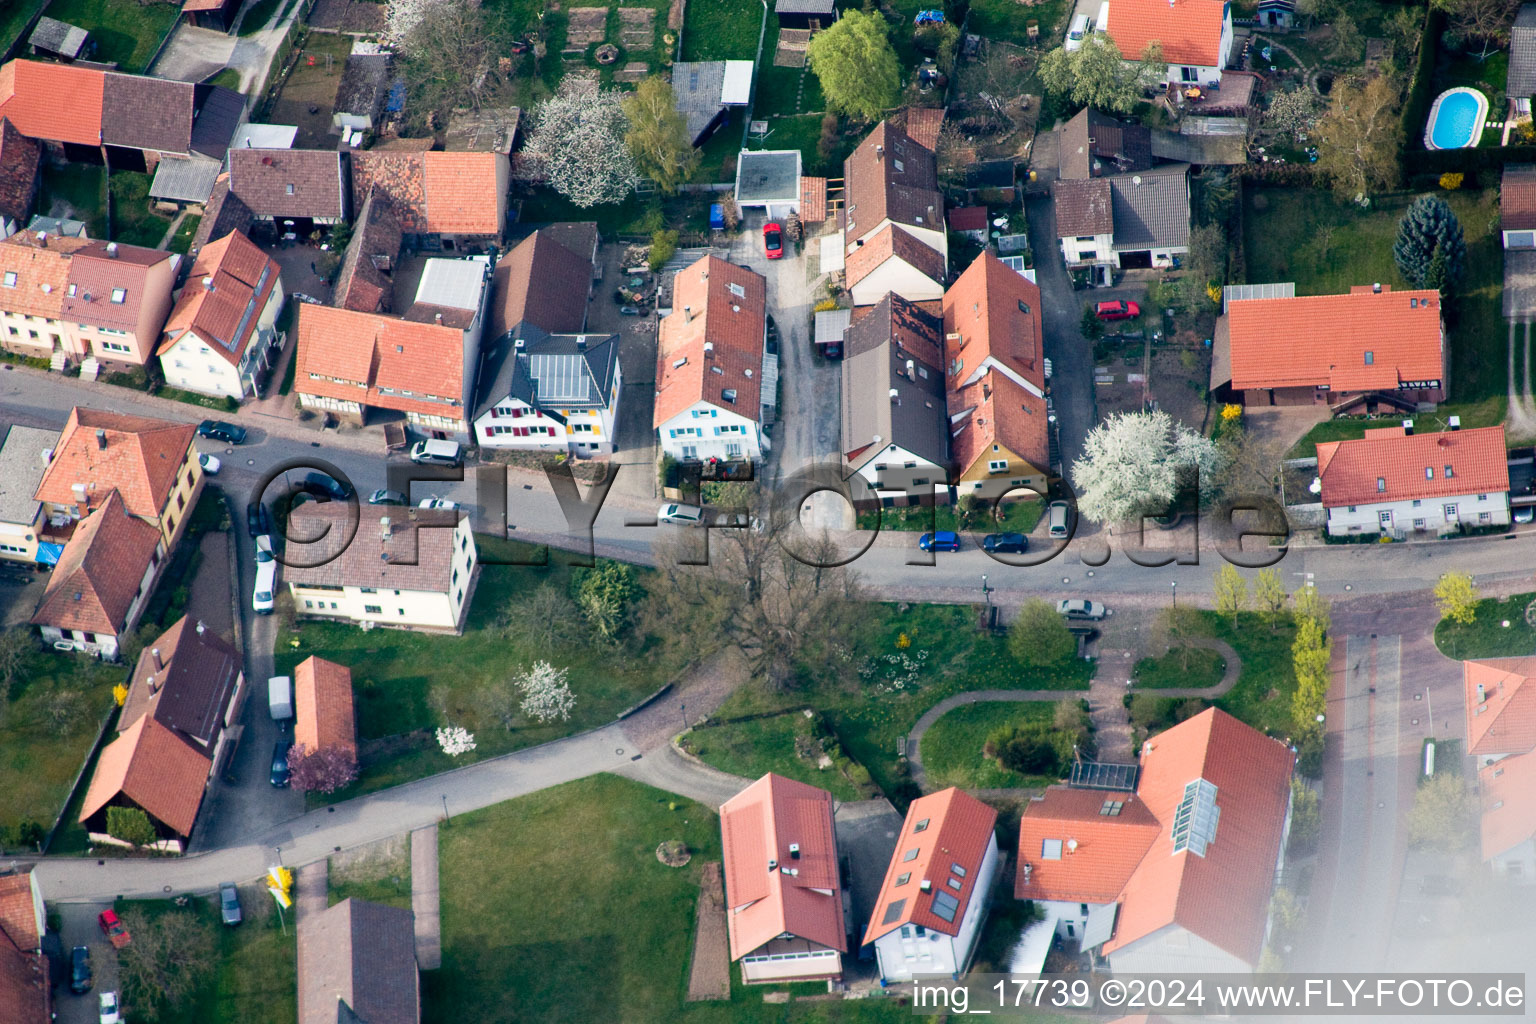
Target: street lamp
{"type": "Point", "coordinates": [446, 819]}
{"type": "Point", "coordinates": [1174, 589]}
{"type": "Point", "coordinates": [682, 709]}
{"type": "Point", "coordinates": [986, 591]}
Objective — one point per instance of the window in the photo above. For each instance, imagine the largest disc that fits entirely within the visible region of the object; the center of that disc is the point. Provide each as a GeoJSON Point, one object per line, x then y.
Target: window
{"type": "Point", "coordinates": [401, 611]}
{"type": "Point", "coordinates": [1112, 808]}
{"type": "Point", "coordinates": [1189, 74]}
{"type": "Point", "coordinates": [921, 826]}
{"type": "Point", "coordinates": [1449, 472]}
{"type": "Point", "coordinates": [10, 279]}
{"type": "Point", "coordinates": [373, 609]}
{"type": "Point", "coordinates": [1195, 820]}
{"type": "Point", "coordinates": [893, 911]}
{"type": "Point", "coordinates": [997, 466]}
{"type": "Point", "coordinates": [904, 878]}
{"type": "Point", "coordinates": [1381, 484]}
{"type": "Point", "coordinates": [1429, 472]}
{"type": "Point", "coordinates": [738, 291]}
{"type": "Point", "coordinates": [910, 855]}
{"type": "Point", "coordinates": [945, 906]}
{"type": "Point", "coordinates": [119, 296]}
{"type": "Point", "coordinates": [958, 869]}
{"type": "Point", "coordinates": [1482, 497]}
{"type": "Point", "coordinates": [909, 465]}
{"type": "Point", "coordinates": [1370, 358]}
{"type": "Point", "coordinates": [1023, 306]}
{"type": "Point", "coordinates": [1050, 849]}
{"type": "Point", "coordinates": [368, 590]}
{"type": "Point", "coordinates": [1417, 503]}
{"type": "Point", "coordinates": [954, 883]}
{"type": "Point", "coordinates": [729, 394]}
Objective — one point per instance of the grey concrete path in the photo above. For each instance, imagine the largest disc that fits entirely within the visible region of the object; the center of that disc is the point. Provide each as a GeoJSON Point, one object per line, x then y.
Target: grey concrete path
{"type": "Point", "coordinates": [424, 899]}
{"type": "Point", "coordinates": [669, 769]}
{"type": "Point", "coordinates": [311, 889]}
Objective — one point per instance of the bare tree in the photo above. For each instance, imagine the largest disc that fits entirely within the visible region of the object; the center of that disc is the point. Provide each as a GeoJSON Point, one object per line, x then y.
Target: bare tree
{"type": "Point", "coordinates": [170, 957]}
{"type": "Point", "coordinates": [450, 54]}
{"type": "Point", "coordinates": [1358, 139]}
{"type": "Point", "coordinates": [1486, 20]}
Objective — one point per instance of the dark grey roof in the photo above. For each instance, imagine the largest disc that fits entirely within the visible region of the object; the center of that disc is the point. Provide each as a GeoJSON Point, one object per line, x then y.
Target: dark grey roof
{"type": "Point", "coordinates": [766, 175]}
{"type": "Point", "coordinates": [59, 37]}
{"type": "Point", "coordinates": [218, 115]}
{"type": "Point", "coordinates": [877, 348]}
{"type": "Point", "coordinates": [185, 180]}
{"type": "Point", "coordinates": [1207, 148]}
{"type": "Point", "coordinates": [805, 7]}
{"type": "Point", "coordinates": [1520, 283]}
{"type": "Point", "coordinates": [21, 470]}
{"type": "Point", "coordinates": [1521, 80]}
{"type": "Point", "coordinates": [364, 81]}
{"type": "Point", "coordinates": [1095, 144]}
{"type": "Point", "coordinates": [549, 371]}
{"type": "Point", "coordinates": [697, 86]}
{"type": "Point", "coordinates": [1151, 209]}
{"type": "Point", "coordinates": [358, 958]}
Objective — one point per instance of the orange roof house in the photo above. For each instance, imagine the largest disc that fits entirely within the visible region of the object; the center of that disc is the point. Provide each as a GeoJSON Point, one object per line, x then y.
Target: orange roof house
{"type": "Point", "coordinates": [1189, 31]}
{"type": "Point", "coordinates": [994, 366]}
{"type": "Point", "coordinates": [151, 767]}
{"type": "Point", "coordinates": [1362, 341]}
{"type": "Point", "coordinates": [436, 192]}
{"type": "Point", "coordinates": [59, 102]}
{"type": "Point", "coordinates": [323, 715]}
{"type": "Point", "coordinates": [146, 461]}
{"type": "Point", "coordinates": [229, 285]}
{"type": "Point", "coordinates": [895, 211]}
{"type": "Point", "coordinates": [102, 576]}
{"type": "Point", "coordinates": [1501, 705]}
{"type": "Point", "coordinates": [1390, 464]}
{"type": "Point", "coordinates": [1204, 828]}
{"type": "Point", "coordinates": [25, 994]}
{"type": "Point", "coordinates": [782, 887]}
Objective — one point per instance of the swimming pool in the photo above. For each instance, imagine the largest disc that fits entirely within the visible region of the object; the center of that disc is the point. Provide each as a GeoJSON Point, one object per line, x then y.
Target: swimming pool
{"type": "Point", "coordinates": [1456, 119]}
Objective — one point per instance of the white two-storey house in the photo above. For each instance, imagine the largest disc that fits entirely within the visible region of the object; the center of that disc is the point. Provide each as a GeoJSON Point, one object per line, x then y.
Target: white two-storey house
{"type": "Point", "coordinates": [550, 392]}
{"type": "Point", "coordinates": [221, 335]}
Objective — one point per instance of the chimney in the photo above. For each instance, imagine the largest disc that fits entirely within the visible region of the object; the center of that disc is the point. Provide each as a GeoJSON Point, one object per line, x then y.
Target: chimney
{"type": "Point", "coordinates": [154, 684]}
{"type": "Point", "coordinates": [1455, 422]}
{"type": "Point", "coordinates": [437, 317]}
{"type": "Point", "coordinates": [155, 655]}
{"type": "Point", "coordinates": [879, 149]}
{"type": "Point", "coordinates": [911, 369]}
{"type": "Point", "coordinates": [709, 347]}
{"type": "Point", "coordinates": [200, 627]}
{"type": "Point", "coordinates": [208, 284]}
{"type": "Point", "coordinates": [42, 239]}
{"type": "Point", "coordinates": [773, 864]}
{"type": "Point", "coordinates": [112, 250]}
{"type": "Point", "coordinates": [794, 851]}
{"type": "Point", "coordinates": [925, 885]}
{"type": "Point", "coordinates": [1482, 697]}
{"type": "Point", "coordinates": [581, 343]}
{"type": "Point", "coordinates": [101, 439]}
{"type": "Point", "coordinates": [1408, 428]}
{"type": "Point", "coordinates": [1376, 288]}
{"type": "Point", "coordinates": [384, 528]}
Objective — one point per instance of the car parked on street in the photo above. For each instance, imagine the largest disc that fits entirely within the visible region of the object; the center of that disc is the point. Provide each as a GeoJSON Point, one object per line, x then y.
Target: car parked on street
{"type": "Point", "coordinates": [263, 593]}
{"type": "Point", "coordinates": [281, 775]}
{"type": "Point", "coordinates": [435, 502]}
{"type": "Point", "coordinates": [1060, 514]}
{"type": "Point", "coordinates": [210, 463]}
{"type": "Point", "coordinates": [110, 1012]}
{"type": "Point", "coordinates": [944, 540]}
{"type": "Point", "coordinates": [257, 519]}
{"type": "Point", "coordinates": [217, 430]}
{"type": "Point", "coordinates": [1079, 608]}
{"type": "Point", "coordinates": [80, 970]}
{"type": "Point", "coordinates": [383, 497]}
{"type": "Point", "coordinates": [324, 487]}
{"type": "Point", "coordinates": [263, 549]}
{"type": "Point", "coordinates": [113, 928]}
{"type": "Point", "coordinates": [773, 240]}
{"type": "Point", "coordinates": [1525, 513]}
{"type": "Point", "coordinates": [1117, 309]}
{"type": "Point", "coordinates": [1005, 543]}
{"type": "Point", "coordinates": [681, 515]}
{"type": "Point", "coordinates": [229, 903]}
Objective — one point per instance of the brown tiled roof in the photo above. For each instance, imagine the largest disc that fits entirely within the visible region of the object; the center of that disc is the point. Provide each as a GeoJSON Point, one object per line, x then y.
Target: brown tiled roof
{"type": "Point", "coordinates": [891, 177]}
{"type": "Point", "coordinates": [1095, 144]}
{"type": "Point", "coordinates": [704, 309]}
{"type": "Point", "coordinates": [543, 283]}
{"type": "Point", "coordinates": [61, 102]}
{"type": "Point", "coordinates": [923, 124]}
{"type": "Point", "coordinates": [19, 911]}
{"type": "Point", "coordinates": [42, 273]}
{"type": "Point", "coordinates": [19, 162]}
{"type": "Point", "coordinates": [361, 956]}
{"type": "Point", "coordinates": [322, 714]}
{"type": "Point", "coordinates": [98, 574]}
{"type": "Point", "coordinates": [24, 988]}
{"type": "Point", "coordinates": [1388, 464]}
{"type": "Point", "coordinates": [96, 276]}
{"type": "Point", "coordinates": [242, 279]}
{"type": "Point", "coordinates": [185, 678]}
{"type": "Point", "coordinates": [262, 179]}
{"type": "Point", "coordinates": [1083, 207]}
{"type": "Point", "coordinates": [139, 112]}
{"type": "Point", "coordinates": [878, 349]}
{"type": "Point", "coordinates": [957, 831]}
{"type": "Point", "coordinates": [419, 546]}
{"type": "Point", "coordinates": [1517, 198]}
{"type": "Point", "coordinates": [757, 825]}
{"type": "Point", "coordinates": [365, 283]}
{"type": "Point", "coordinates": [140, 462]}
{"type": "Point", "coordinates": [889, 242]}
{"type": "Point", "coordinates": [375, 352]}
{"type": "Point", "coordinates": [222, 214]}
{"type": "Point", "coordinates": [154, 768]}
{"type": "Point", "coordinates": [436, 192]}
{"type": "Point", "coordinates": [813, 199]}
{"type": "Point", "coordinates": [968, 218]}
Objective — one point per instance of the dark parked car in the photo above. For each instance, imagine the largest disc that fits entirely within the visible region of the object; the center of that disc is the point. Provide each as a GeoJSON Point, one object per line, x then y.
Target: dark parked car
{"type": "Point", "coordinates": [324, 487]}
{"type": "Point", "coordinates": [256, 519]}
{"type": "Point", "coordinates": [944, 540]}
{"type": "Point", "coordinates": [383, 497]}
{"type": "Point", "coordinates": [280, 773]}
{"type": "Point", "coordinates": [229, 903]}
{"type": "Point", "coordinates": [1005, 543]}
{"type": "Point", "coordinates": [216, 430]}
{"type": "Point", "coordinates": [80, 970]}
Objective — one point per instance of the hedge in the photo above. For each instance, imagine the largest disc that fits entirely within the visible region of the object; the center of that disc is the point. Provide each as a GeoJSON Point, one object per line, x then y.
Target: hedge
{"type": "Point", "coordinates": [1416, 105]}
{"type": "Point", "coordinates": [1467, 161]}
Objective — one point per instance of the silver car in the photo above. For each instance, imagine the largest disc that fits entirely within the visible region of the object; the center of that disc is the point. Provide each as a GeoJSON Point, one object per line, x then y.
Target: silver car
{"type": "Point", "coordinates": [682, 515]}
{"type": "Point", "coordinates": [1078, 608]}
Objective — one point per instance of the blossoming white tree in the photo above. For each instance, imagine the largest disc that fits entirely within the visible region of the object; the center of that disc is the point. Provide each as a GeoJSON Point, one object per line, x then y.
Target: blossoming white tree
{"type": "Point", "coordinates": [401, 16]}
{"type": "Point", "coordinates": [455, 740]}
{"type": "Point", "coordinates": [1135, 463]}
{"type": "Point", "coordinates": [546, 695]}
{"type": "Point", "coordinates": [578, 144]}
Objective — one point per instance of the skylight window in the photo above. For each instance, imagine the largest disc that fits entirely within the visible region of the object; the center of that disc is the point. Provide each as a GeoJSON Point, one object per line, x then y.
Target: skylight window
{"type": "Point", "coordinates": [10, 279]}
{"type": "Point", "coordinates": [954, 883]}
{"type": "Point", "coordinates": [1370, 359]}
{"type": "Point", "coordinates": [909, 855]}
{"type": "Point", "coordinates": [738, 291]}
{"type": "Point", "coordinates": [1195, 821]}
{"type": "Point", "coordinates": [1381, 484]}
{"type": "Point", "coordinates": [729, 394]}
{"type": "Point", "coordinates": [119, 295]}
{"type": "Point", "coordinates": [945, 906]}
{"type": "Point", "coordinates": [1112, 808]}
{"type": "Point", "coordinates": [893, 911]}
{"type": "Point", "coordinates": [904, 878]}
{"type": "Point", "coordinates": [1449, 472]}
{"type": "Point", "coordinates": [1050, 849]}
{"type": "Point", "coordinates": [920, 826]}
{"type": "Point", "coordinates": [1429, 472]}
{"type": "Point", "coordinates": [958, 869]}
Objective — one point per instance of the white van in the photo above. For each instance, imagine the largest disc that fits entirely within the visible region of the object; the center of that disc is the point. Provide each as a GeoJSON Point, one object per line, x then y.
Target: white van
{"type": "Point", "coordinates": [435, 453]}
{"type": "Point", "coordinates": [280, 697]}
{"type": "Point", "coordinates": [266, 583]}
{"type": "Point", "coordinates": [1102, 24]}
{"type": "Point", "coordinates": [1081, 26]}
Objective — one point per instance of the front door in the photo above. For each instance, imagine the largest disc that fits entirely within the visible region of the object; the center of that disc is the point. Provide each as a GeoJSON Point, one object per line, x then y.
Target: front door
{"type": "Point", "coordinates": [1386, 522]}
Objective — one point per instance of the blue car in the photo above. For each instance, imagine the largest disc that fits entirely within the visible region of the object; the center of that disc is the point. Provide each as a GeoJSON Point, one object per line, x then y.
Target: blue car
{"type": "Point", "coordinates": [944, 540]}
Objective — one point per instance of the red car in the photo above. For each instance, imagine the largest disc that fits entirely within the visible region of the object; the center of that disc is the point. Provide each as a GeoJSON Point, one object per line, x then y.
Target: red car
{"type": "Point", "coordinates": [114, 929]}
{"type": "Point", "coordinates": [773, 240]}
{"type": "Point", "coordinates": [1117, 309]}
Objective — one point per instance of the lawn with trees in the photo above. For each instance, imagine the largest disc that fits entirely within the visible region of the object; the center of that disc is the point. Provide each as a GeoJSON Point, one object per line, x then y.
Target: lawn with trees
{"type": "Point", "coordinates": [1486, 635]}
{"type": "Point", "coordinates": [996, 745]}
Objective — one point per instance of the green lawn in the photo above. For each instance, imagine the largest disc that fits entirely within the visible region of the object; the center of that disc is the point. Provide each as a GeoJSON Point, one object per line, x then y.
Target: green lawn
{"type": "Point", "coordinates": [76, 191]}
{"type": "Point", "coordinates": [1004, 21]}
{"type": "Point", "coordinates": [1284, 234]}
{"type": "Point", "coordinates": [55, 710]}
{"type": "Point", "coordinates": [407, 684]}
{"type": "Point", "coordinates": [1018, 517]}
{"type": "Point", "coordinates": [254, 977]}
{"type": "Point", "coordinates": [1486, 413]}
{"type": "Point", "coordinates": [124, 31]}
{"type": "Point", "coordinates": [386, 880]}
{"type": "Point", "coordinates": [134, 221]}
{"type": "Point", "coordinates": [952, 747]}
{"type": "Point", "coordinates": [754, 748]}
{"type": "Point", "coordinates": [258, 14]}
{"type": "Point", "coordinates": [229, 78]}
{"type": "Point", "coordinates": [616, 946]}
{"type": "Point", "coordinates": [888, 687]}
{"type": "Point", "coordinates": [783, 92]}
{"type": "Point", "coordinates": [1262, 696]}
{"type": "Point", "coordinates": [726, 30]}
{"type": "Point", "coordinates": [181, 241]}
{"type": "Point", "coordinates": [803, 132]}
{"type": "Point", "coordinates": [14, 16]}
{"type": "Point", "coordinates": [1205, 668]}
{"type": "Point", "coordinates": [1487, 636]}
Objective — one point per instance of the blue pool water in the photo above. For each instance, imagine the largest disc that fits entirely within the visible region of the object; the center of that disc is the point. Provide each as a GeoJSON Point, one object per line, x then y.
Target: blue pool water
{"type": "Point", "coordinates": [1457, 119]}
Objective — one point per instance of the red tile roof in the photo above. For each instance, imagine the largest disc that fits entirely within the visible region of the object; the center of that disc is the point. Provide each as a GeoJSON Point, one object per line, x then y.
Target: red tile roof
{"type": "Point", "coordinates": [923, 125]}
{"type": "Point", "coordinates": [968, 218]}
{"type": "Point", "coordinates": [1508, 790]}
{"type": "Point", "coordinates": [19, 160]}
{"type": "Point", "coordinates": [986, 323]}
{"type": "Point", "coordinates": [377, 354]}
{"type": "Point", "coordinates": [889, 176]}
{"type": "Point", "coordinates": [24, 987]}
{"type": "Point", "coordinates": [436, 192]}
{"type": "Point", "coordinates": [1223, 896]}
{"type": "Point", "coordinates": [323, 715]}
{"type": "Point", "coordinates": [141, 460]}
{"type": "Point", "coordinates": [61, 102]}
{"type": "Point", "coordinates": [185, 678]}
{"type": "Point", "coordinates": [891, 242]}
{"type": "Point", "coordinates": [19, 911]}
{"type": "Point", "coordinates": [93, 586]}
{"type": "Point", "coordinates": [758, 825]}
{"type": "Point", "coordinates": [156, 769]}
{"type": "Point", "coordinates": [242, 279]}
{"type": "Point", "coordinates": [1361, 341]}
{"type": "Point", "coordinates": [1517, 198]}
{"type": "Point", "coordinates": [1390, 465]}
{"type": "Point", "coordinates": [1189, 30]}
{"type": "Point", "coordinates": [813, 200]}
{"type": "Point", "coordinates": [1099, 852]}
{"type": "Point", "coordinates": [42, 273]}
{"type": "Point", "coordinates": [705, 309]}
{"type": "Point", "coordinates": [99, 274]}
{"type": "Point", "coordinates": [1084, 206]}
{"type": "Point", "coordinates": [957, 830]}
{"type": "Point", "coordinates": [1501, 705]}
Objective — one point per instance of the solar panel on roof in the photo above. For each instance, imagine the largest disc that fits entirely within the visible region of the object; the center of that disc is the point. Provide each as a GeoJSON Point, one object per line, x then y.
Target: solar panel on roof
{"type": "Point", "coordinates": [1100, 775]}
{"type": "Point", "coordinates": [561, 378]}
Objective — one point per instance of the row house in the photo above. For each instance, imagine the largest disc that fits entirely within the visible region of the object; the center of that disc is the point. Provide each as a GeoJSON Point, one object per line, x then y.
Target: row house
{"type": "Point", "coordinates": [894, 236]}
{"type": "Point", "coordinates": [1501, 737]}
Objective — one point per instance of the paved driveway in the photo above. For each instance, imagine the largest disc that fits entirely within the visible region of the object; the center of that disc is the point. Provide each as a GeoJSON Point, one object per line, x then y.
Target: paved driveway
{"type": "Point", "coordinates": [1070, 353]}
{"type": "Point", "coordinates": [78, 921]}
